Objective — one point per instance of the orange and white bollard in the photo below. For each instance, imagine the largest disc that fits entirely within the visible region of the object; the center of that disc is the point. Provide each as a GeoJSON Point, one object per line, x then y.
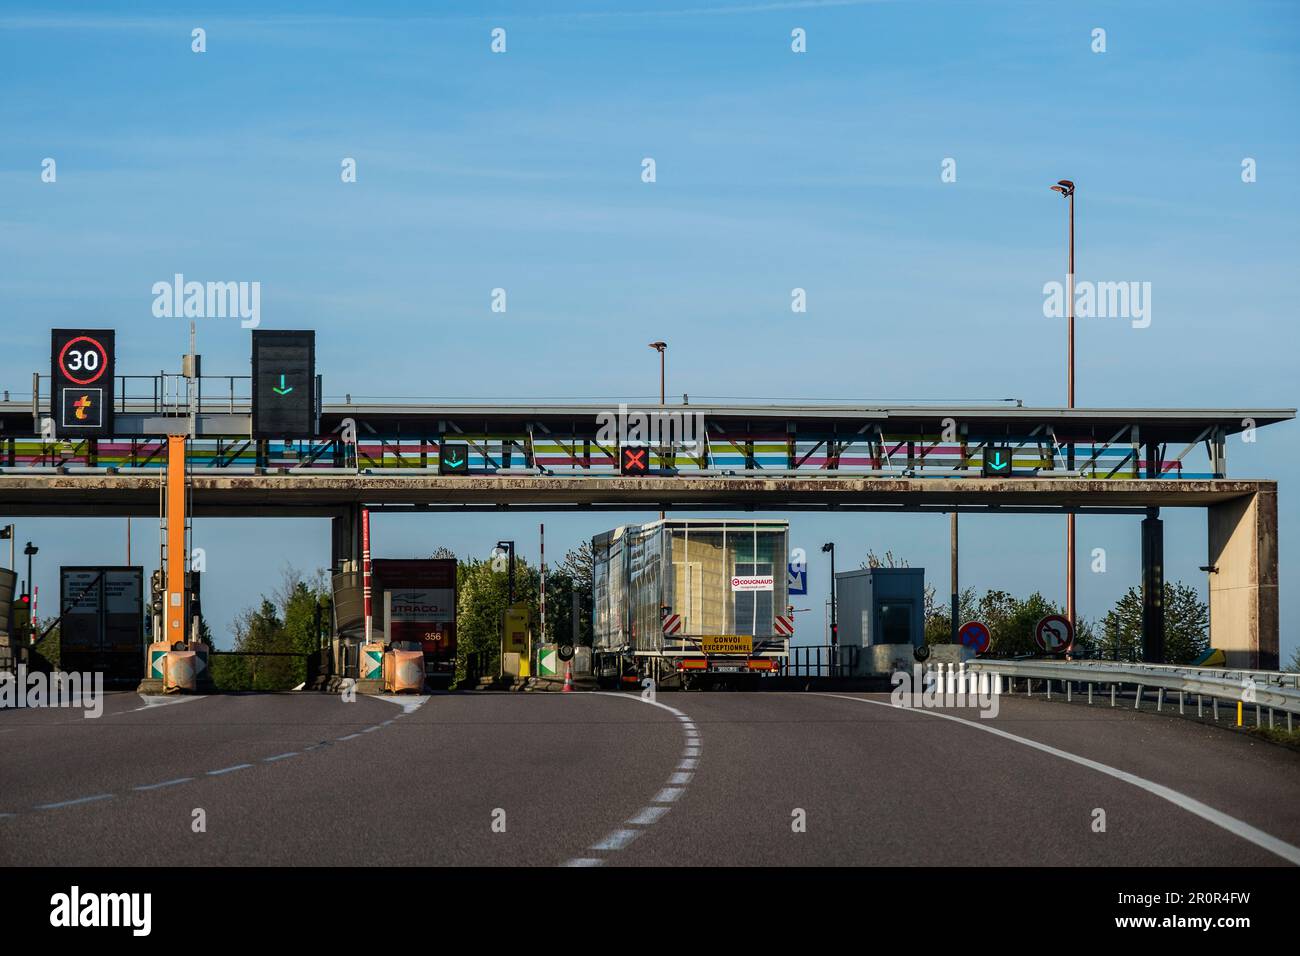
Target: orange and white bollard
{"type": "Point", "coordinates": [568, 679]}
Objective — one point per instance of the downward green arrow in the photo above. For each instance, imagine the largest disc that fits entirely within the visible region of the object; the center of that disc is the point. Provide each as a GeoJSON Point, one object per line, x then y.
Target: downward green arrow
{"type": "Point", "coordinates": [454, 462]}
{"type": "Point", "coordinates": [281, 389]}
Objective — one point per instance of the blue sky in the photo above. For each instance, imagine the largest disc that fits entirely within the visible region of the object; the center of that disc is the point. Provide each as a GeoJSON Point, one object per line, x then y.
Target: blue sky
{"type": "Point", "coordinates": [775, 170]}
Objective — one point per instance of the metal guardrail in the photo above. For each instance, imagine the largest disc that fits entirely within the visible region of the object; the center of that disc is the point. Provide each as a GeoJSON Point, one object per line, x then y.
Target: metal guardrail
{"type": "Point", "coordinates": [1265, 690]}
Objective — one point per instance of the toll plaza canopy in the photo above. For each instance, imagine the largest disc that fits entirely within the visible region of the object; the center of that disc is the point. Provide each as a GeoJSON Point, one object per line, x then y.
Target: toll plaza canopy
{"type": "Point", "coordinates": [939, 441]}
{"type": "Point", "coordinates": [776, 458]}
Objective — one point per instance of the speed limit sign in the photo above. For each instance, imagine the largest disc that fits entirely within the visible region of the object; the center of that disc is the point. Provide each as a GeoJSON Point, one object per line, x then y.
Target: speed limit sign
{"type": "Point", "coordinates": [81, 377]}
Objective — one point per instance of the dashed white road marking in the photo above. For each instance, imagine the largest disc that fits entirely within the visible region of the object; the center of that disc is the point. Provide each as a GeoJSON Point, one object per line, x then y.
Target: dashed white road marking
{"type": "Point", "coordinates": [409, 705]}
{"type": "Point", "coordinates": [616, 840]}
{"type": "Point", "coordinates": [69, 803]}
{"type": "Point", "coordinates": [238, 766]}
{"type": "Point", "coordinates": [1191, 805]}
{"type": "Point", "coordinates": [165, 783]}
{"type": "Point", "coordinates": [650, 815]}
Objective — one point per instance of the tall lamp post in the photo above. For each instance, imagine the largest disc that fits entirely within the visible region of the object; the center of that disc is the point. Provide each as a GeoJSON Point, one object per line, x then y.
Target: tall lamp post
{"type": "Point", "coordinates": [30, 551]}
{"type": "Point", "coordinates": [829, 547]}
{"type": "Point", "coordinates": [1066, 188]}
{"type": "Point", "coordinates": [661, 348]}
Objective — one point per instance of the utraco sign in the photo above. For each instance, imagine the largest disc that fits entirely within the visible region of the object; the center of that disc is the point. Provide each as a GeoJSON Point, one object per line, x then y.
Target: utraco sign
{"type": "Point", "coordinates": [752, 582]}
{"type": "Point", "coordinates": [422, 605]}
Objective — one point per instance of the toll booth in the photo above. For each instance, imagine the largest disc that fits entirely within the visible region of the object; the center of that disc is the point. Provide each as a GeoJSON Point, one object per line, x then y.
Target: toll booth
{"type": "Point", "coordinates": [881, 613]}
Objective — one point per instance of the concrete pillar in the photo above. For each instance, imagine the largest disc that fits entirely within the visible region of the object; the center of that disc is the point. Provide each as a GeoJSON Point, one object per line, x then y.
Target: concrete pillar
{"type": "Point", "coordinates": [345, 551]}
{"type": "Point", "coordinates": [1243, 592]}
{"type": "Point", "coordinates": [345, 538]}
{"type": "Point", "coordinates": [1153, 588]}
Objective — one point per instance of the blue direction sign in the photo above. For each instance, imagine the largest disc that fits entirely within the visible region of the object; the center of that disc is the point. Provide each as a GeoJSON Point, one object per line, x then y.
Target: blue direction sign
{"type": "Point", "coordinates": [975, 635]}
{"type": "Point", "coordinates": [796, 579]}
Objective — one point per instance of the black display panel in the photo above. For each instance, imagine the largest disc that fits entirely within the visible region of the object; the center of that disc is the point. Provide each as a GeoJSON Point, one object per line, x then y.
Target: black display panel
{"type": "Point", "coordinates": [82, 377]}
{"type": "Point", "coordinates": [284, 384]}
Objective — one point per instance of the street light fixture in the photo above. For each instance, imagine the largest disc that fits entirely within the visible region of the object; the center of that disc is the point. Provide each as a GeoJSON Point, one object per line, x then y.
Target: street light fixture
{"type": "Point", "coordinates": [1066, 188]}
{"type": "Point", "coordinates": [661, 348]}
{"type": "Point", "coordinates": [510, 575]}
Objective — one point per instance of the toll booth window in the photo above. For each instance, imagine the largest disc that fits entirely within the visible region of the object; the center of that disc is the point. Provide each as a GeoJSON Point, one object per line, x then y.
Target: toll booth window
{"type": "Point", "coordinates": [895, 622]}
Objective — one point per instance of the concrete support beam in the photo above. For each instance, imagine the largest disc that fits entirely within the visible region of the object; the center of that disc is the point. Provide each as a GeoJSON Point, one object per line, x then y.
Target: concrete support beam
{"type": "Point", "coordinates": [1244, 591]}
{"type": "Point", "coordinates": [1153, 588]}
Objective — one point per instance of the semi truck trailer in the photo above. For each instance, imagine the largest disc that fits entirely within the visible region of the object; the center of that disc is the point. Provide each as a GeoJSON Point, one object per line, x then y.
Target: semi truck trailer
{"type": "Point", "coordinates": [691, 602]}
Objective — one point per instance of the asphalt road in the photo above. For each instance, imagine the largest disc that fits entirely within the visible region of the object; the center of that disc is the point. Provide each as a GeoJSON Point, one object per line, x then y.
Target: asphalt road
{"type": "Point", "coordinates": [697, 779]}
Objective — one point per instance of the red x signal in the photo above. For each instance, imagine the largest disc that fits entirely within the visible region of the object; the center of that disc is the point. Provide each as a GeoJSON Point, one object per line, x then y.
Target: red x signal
{"type": "Point", "coordinates": [635, 461]}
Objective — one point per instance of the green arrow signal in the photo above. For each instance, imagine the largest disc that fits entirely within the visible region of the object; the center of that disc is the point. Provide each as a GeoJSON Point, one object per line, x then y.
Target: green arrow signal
{"type": "Point", "coordinates": [281, 389]}
{"type": "Point", "coordinates": [455, 462]}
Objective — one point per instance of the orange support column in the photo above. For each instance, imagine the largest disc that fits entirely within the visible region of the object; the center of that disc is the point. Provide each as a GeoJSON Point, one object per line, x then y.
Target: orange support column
{"type": "Point", "coordinates": [176, 550]}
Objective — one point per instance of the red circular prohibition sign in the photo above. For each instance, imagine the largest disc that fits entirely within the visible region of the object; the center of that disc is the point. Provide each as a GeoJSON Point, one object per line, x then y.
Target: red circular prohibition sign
{"type": "Point", "coordinates": [103, 360]}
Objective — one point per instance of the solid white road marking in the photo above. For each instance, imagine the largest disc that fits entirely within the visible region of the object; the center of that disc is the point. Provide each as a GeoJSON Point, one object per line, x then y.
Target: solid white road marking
{"type": "Point", "coordinates": [668, 795]}
{"type": "Point", "coordinates": [291, 753]}
{"type": "Point", "coordinates": [585, 861]}
{"type": "Point", "coordinates": [408, 704]}
{"type": "Point", "coordinates": [1191, 805]}
{"type": "Point", "coordinates": [156, 700]}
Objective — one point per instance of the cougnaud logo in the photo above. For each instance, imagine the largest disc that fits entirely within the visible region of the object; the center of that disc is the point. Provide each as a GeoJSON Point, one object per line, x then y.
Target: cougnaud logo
{"type": "Point", "coordinates": [77, 909]}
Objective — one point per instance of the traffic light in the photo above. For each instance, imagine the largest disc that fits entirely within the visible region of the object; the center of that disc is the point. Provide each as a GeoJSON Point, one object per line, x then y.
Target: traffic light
{"type": "Point", "coordinates": [634, 460]}
{"type": "Point", "coordinates": [21, 616]}
{"type": "Point", "coordinates": [997, 461]}
{"type": "Point", "coordinates": [156, 591]}
{"type": "Point", "coordinates": [453, 458]}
